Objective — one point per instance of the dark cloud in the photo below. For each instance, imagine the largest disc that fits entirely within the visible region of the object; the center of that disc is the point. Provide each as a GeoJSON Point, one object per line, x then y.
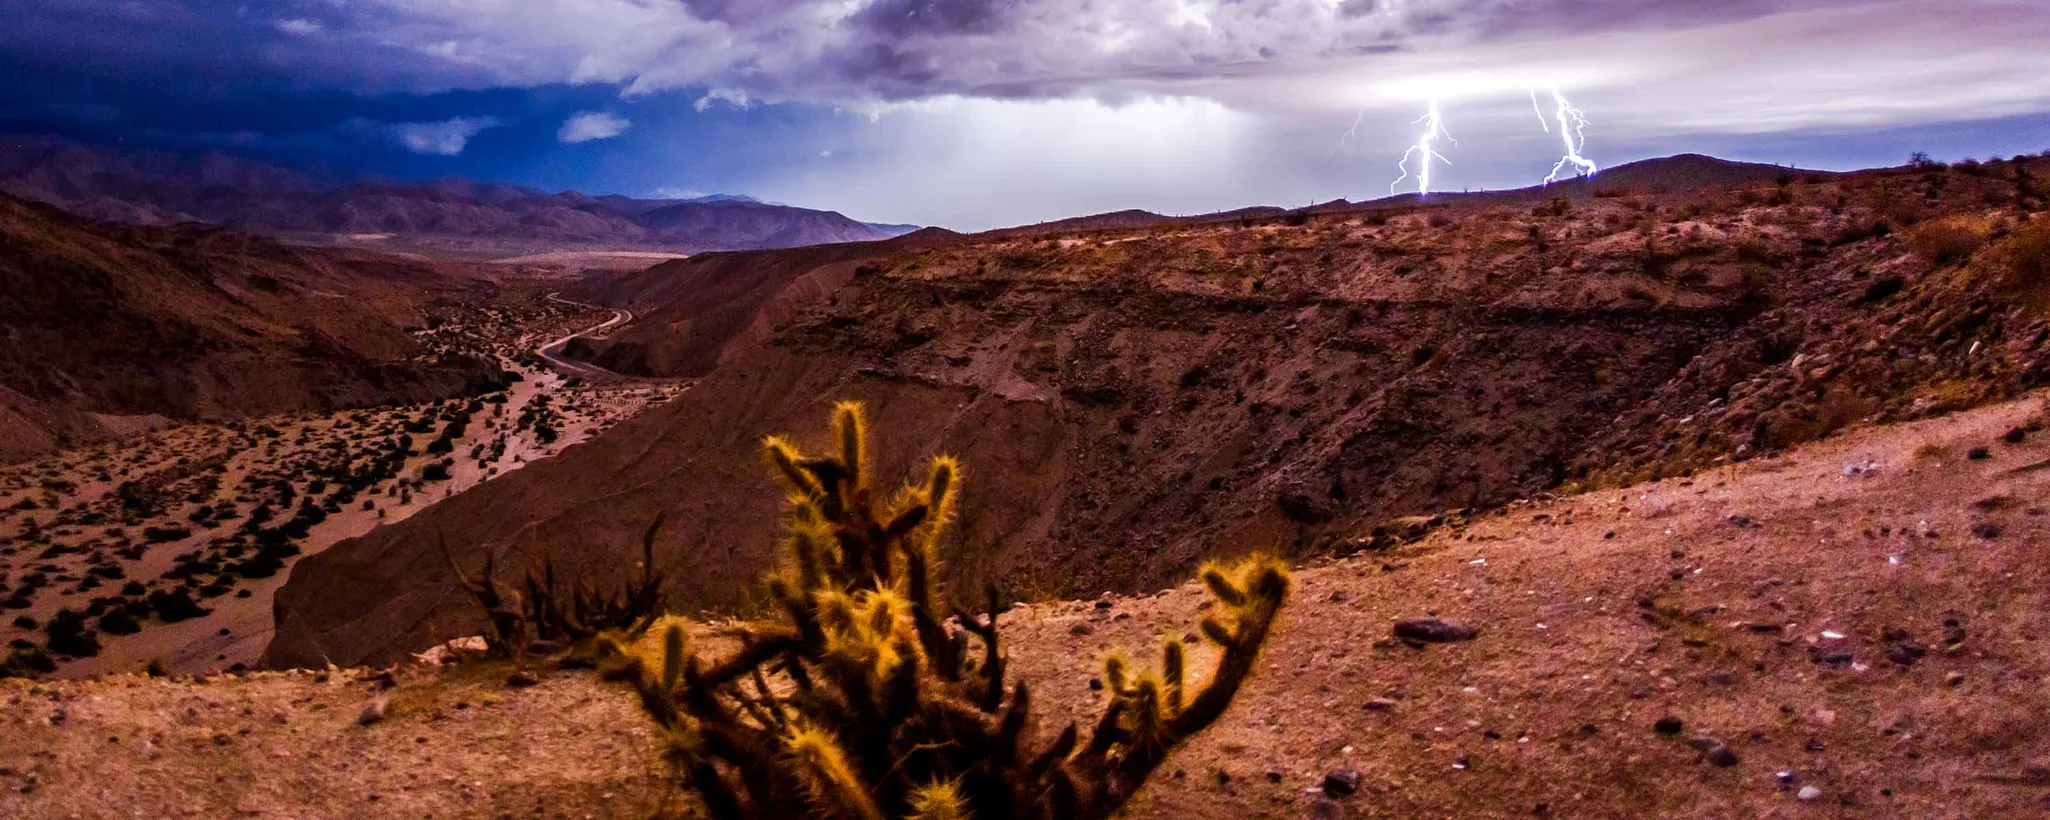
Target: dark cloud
{"type": "Point", "coordinates": [936, 18]}
{"type": "Point", "coordinates": [1101, 91]}
{"type": "Point", "coordinates": [776, 50]}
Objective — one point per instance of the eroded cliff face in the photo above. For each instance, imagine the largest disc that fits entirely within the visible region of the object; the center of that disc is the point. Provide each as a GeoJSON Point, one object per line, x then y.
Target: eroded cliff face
{"type": "Point", "coordinates": [1129, 403]}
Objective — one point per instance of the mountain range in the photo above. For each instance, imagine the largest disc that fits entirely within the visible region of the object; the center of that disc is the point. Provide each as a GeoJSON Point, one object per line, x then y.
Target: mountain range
{"type": "Point", "coordinates": [155, 188]}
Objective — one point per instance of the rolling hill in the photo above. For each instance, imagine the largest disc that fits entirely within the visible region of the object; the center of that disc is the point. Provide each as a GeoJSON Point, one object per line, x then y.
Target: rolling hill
{"type": "Point", "coordinates": [106, 326]}
{"type": "Point", "coordinates": [154, 188]}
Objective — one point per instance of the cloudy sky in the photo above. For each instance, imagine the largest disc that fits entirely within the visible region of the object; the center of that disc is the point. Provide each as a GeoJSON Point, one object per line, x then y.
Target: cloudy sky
{"type": "Point", "coordinates": [980, 113]}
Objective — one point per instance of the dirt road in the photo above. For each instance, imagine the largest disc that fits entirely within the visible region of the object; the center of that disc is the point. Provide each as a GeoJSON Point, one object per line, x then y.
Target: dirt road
{"type": "Point", "coordinates": [573, 367]}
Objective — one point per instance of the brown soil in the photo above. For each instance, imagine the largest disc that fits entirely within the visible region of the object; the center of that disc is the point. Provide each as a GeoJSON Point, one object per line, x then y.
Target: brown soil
{"type": "Point", "coordinates": [1715, 599]}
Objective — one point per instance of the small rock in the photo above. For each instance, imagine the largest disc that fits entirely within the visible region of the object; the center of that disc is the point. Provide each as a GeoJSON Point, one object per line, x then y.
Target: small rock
{"type": "Point", "coordinates": [1080, 630]}
{"type": "Point", "coordinates": [1343, 782]}
{"type": "Point", "coordinates": [1379, 705]}
{"type": "Point", "coordinates": [373, 711]}
{"type": "Point", "coordinates": [2016, 435]}
{"type": "Point", "coordinates": [1808, 793]}
{"type": "Point", "coordinates": [1906, 653]}
{"type": "Point", "coordinates": [1978, 454]}
{"type": "Point", "coordinates": [1721, 755]}
{"type": "Point", "coordinates": [1954, 679]}
{"type": "Point", "coordinates": [521, 679]}
{"type": "Point", "coordinates": [1433, 630]}
{"type": "Point", "coordinates": [1668, 725]}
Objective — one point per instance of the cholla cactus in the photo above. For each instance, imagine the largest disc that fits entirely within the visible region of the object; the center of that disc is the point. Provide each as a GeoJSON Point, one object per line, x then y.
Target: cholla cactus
{"type": "Point", "coordinates": [866, 698]}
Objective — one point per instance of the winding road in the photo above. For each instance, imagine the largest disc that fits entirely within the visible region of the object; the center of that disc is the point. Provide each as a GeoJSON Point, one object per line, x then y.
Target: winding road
{"type": "Point", "coordinates": [572, 366]}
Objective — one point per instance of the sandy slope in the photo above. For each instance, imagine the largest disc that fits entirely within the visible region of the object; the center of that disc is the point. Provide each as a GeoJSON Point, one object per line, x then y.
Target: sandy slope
{"type": "Point", "coordinates": [1709, 599]}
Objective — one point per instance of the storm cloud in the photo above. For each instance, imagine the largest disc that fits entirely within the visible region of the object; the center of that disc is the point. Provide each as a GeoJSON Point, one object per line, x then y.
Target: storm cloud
{"type": "Point", "coordinates": [914, 109]}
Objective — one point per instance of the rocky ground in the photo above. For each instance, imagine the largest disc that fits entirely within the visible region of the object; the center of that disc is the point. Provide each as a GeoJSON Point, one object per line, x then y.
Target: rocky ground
{"type": "Point", "coordinates": [1852, 629]}
{"type": "Point", "coordinates": [167, 548]}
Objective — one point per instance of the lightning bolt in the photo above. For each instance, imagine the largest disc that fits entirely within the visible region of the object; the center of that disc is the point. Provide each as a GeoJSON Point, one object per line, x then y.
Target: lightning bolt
{"type": "Point", "coordinates": [1349, 134]}
{"type": "Point", "coordinates": [1572, 125]}
{"type": "Point", "coordinates": [1434, 130]}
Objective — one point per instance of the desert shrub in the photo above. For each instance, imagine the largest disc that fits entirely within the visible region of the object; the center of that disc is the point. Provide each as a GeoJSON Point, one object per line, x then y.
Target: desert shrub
{"type": "Point", "coordinates": [27, 663]}
{"type": "Point", "coordinates": [1948, 240]}
{"type": "Point", "coordinates": [2028, 251]}
{"type": "Point", "coordinates": [159, 535]}
{"type": "Point", "coordinates": [69, 635]}
{"type": "Point", "coordinates": [176, 605]}
{"type": "Point", "coordinates": [861, 699]}
{"type": "Point", "coordinates": [1438, 219]}
{"type": "Point", "coordinates": [572, 612]}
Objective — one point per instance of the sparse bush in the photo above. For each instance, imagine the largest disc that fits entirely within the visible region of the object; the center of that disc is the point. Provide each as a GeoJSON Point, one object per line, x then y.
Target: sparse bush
{"type": "Point", "coordinates": [2028, 252]}
{"type": "Point", "coordinates": [176, 605]}
{"type": "Point", "coordinates": [27, 663]}
{"type": "Point", "coordinates": [862, 700]}
{"type": "Point", "coordinates": [576, 612]}
{"type": "Point", "coordinates": [69, 635]}
{"type": "Point", "coordinates": [1948, 240]}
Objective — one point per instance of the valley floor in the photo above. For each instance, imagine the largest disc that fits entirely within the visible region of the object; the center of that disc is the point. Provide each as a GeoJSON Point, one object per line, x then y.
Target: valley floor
{"type": "Point", "coordinates": [99, 529]}
{"type": "Point", "coordinates": [1855, 629]}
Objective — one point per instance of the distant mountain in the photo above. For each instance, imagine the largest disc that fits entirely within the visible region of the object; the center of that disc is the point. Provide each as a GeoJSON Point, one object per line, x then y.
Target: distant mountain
{"type": "Point", "coordinates": [104, 327]}
{"type": "Point", "coordinates": [890, 230]}
{"type": "Point", "coordinates": [727, 198]}
{"type": "Point", "coordinates": [1664, 175]}
{"type": "Point", "coordinates": [156, 188]}
{"type": "Point", "coordinates": [1133, 218]}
